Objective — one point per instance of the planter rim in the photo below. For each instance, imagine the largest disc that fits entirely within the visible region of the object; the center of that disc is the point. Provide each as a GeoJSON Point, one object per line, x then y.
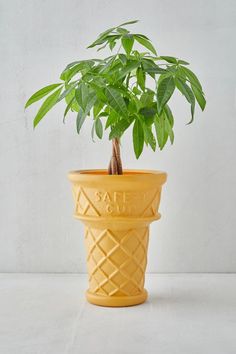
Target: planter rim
{"type": "Point", "coordinates": [122, 220]}
{"type": "Point", "coordinates": [101, 174]}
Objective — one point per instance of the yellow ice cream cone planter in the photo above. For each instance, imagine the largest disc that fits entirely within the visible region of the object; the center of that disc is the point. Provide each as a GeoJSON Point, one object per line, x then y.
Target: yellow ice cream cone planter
{"type": "Point", "coordinates": [116, 207]}
{"type": "Point", "coordinates": [116, 211]}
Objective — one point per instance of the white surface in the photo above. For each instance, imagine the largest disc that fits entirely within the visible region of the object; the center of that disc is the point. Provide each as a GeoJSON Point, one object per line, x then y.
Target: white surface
{"type": "Point", "coordinates": [37, 39]}
{"type": "Point", "coordinates": [187, 314]}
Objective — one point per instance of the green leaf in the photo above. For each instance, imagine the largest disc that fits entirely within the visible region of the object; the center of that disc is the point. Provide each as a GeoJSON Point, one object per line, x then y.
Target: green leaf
{"type": "Point", "coordinates": [192, 112]}
{"type": "Point", "coordinates": [97, 108]}
{"type": "Point", "coordinates": [40, 94]}
{"type": "Point", "coordinates": [72, 64]}
{"type": "Point", "coordinates": [100, 92]}
{"type": "Point", "coordinates": [123, 58]}
{"type": "Point", "coordinates": [105, 33]}
{"type": "Point", "coordinates": [169, 115]}
{"type": "Point", "coordinates": [98, 128]}
{"type": "Point", "coordinates": [136, 91]}
{"type": "Point", "coordinates": [127, 41]}
{"type": "Point", "coordinates": [147, 98]}
{"type": "Point", "coordinates": [142, 36]}
{"type": "Point", "coordinates": [199, 97]}
{"type": "Point", "coordinates": [141, 78]}
{"type": "Point", "coordinates": [155, 70]}
{"type": "Point", "coordinates": [107, 64]}
{"type": "Point", "coordinates": [183, 62]}
{"type": "Point", "coordinates": [119, 128]}
{"type": "Point", "coordinates": [144, 42]}
{"type": "Point", "coordinates": [138, 138]}
{"type": "Point", "coordinates": [92, 132]}
{"type": "Point", "coordinates": [113, 37]}
{"type": "Point", "coordinates": [112, 44]}
{"type": "Point", "coordinates": [68, 74]}
{"type": "Point", "coordinates": [88, 99]}
{"type": "Point", "coordinates": [151, 68]}
{"type": "Point", "coordinates": [172, 69]}
{"type": "Point", "coordinates": [164, 92]}
{"type": "Point", "coordinates": [92, 99]}
{"type": "Point", "coordinates": [105, 38]}
{"type": "Point", "coordinates": [192, 77]}
{"type": "Point", "coordinates": [103, 114]}
{"type": "Point", "coordinates": [112, 119]}
{"type": "Point", "coordinates": [102, 47]}
{"type": "Point", "coordinates": [67, 91]}
{"type": "Point", "coordinates": [128, 23]}
{"type": "Point", "coordinates": [133, 64]}
{"type": "Point", "coordinates": [169, 130]}
{"type": "Point", "coordinates": [149, 137]}
{"type": "Point", "coordinates": [100, 40]}
{"type": "Point", "coordinates": [82, 95]}
{"type": "Point", "coordinates": [80, 120]}
{"type": "Point", "coordinates": [68, 98]}
{"type": "Point", "coordinates": [116, 101]}
{"type": "Point", "coordinates": [164, 76]}
{"type": "Point", "coordinates": [171, 60]}
{"type": "Point", "coordinates": [132, 105]}
{"type": "Point", "coordinates": [148, 112]}
{"type": "Point", "coordinates": [161, 134]}
{"type": "Point", "coordinates": [149, 120]}
{"type": "Point", "coordinates": [122, 30]}
{"type": "Point", "coordinates": [184, 89]}
{"type": "Point", "coordinates": [46, 106]}
{"type": "Point", "coordinates": [187, 92]}
{"type": "Point", "coordinates": [68, 108]}
{"type": "Point", "coordinates": [113, 70]}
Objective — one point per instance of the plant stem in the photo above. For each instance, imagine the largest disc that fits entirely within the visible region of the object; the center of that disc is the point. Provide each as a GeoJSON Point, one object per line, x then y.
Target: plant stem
{"type": "Point", "coordinates": [115, 165]}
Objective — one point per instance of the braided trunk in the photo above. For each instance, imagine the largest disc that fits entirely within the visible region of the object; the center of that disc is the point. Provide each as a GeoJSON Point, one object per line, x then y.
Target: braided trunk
{"type": "Point", "coordinates": [115, 165]}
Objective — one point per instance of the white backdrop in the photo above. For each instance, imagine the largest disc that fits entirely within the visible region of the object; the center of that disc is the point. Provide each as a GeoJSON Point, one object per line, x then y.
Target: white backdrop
{"type": "Point", "coordinates": [37, 39]}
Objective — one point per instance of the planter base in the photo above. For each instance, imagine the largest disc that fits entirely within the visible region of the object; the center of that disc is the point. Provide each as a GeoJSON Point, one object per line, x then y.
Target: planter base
{"type": "Point", "coordinates": [116, 301]}
{"type": "Point", "coordinates": [116, 211]}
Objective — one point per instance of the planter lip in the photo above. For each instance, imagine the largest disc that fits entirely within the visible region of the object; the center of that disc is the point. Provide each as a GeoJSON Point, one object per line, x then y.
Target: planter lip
{"type": "Point", "coordinates": [129, 174]}
{"type": "Point", "coordinates": [127, 220]}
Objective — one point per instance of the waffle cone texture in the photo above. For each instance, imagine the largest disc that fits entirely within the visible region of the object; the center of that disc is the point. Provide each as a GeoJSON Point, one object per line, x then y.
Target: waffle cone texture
{"type": "Point", "coordinates": [116, 211]}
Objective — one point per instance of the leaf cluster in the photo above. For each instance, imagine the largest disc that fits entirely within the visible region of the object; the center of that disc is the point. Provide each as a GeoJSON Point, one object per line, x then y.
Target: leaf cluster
{"type": "Point", "coordinates": [130, 87]}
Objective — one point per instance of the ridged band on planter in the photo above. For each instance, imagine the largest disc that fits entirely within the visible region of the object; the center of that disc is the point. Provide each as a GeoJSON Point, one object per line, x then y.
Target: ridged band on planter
{"type": "Point", "coordinates": [116, 211]}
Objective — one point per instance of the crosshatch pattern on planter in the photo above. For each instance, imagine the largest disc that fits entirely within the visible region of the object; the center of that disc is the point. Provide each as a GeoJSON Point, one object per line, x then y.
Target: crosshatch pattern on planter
{"type": "Point", "coordinates": [93, 202]}
{"type": "Point", "coordinates": [116, 261]}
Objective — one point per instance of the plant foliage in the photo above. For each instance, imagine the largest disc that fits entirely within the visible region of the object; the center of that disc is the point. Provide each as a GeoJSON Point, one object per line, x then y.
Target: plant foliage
{"type": "Point", "coordinates": [128, 88]}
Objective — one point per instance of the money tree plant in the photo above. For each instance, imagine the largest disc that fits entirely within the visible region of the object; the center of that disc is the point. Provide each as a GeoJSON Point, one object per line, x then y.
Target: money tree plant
{"type": "Point", "coordinates": [131, 88]}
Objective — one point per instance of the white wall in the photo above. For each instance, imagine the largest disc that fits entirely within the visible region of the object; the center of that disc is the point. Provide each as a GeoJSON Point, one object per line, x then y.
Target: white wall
{"type": "Point", "coordinates": [37, 39]}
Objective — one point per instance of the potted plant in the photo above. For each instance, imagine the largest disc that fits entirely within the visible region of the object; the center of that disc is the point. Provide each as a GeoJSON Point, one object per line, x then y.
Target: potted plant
{"type": "Point", "coordinates": [130, 88]}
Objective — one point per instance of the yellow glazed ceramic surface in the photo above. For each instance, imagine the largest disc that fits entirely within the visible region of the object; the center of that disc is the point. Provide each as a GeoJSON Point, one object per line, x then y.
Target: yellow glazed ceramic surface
{"type": "Point", "coordinates": [116, 211]}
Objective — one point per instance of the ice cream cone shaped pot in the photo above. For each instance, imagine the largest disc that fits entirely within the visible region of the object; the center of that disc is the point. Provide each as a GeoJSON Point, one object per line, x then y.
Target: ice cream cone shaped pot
{"type": "Point", "coordinates": [116, 211]}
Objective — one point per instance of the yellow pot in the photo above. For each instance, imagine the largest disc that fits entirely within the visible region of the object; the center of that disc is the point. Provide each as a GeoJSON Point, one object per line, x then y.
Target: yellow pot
{"type": "Point", "coordinates": [116, 211]}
